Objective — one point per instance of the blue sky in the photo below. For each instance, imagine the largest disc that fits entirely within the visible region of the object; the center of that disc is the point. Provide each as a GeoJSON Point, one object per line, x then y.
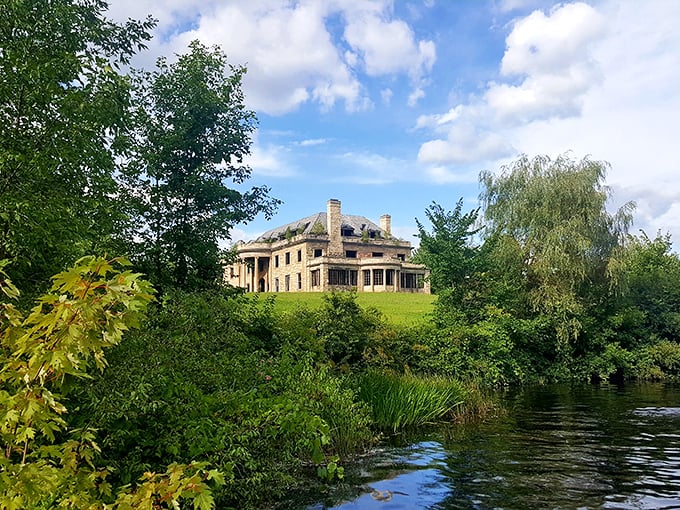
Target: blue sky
{"type": "Point", "coordinates": [391, 105]}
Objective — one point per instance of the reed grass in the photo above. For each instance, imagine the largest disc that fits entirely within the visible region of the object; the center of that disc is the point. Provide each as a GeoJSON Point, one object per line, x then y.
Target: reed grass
{"type": "Point", "coordinates": [404, 401]}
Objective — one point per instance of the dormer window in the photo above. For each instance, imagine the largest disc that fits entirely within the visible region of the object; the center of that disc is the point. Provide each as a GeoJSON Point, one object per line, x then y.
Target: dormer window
{"type": "Point", "coordinates": [346, 231]}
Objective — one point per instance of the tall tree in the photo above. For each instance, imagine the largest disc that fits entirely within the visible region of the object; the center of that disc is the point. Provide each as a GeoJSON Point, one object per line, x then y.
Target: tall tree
{"type": "Point", "coordinates": [552, 212]}
{"type": "Point", "coordinates": [653, 287]}
{"type": "Point", "coordinates": [194, 132]}
{"type": "Point", "coordinates": [448, 251]}
{"type": "Point", "coordinates": [62, 109]}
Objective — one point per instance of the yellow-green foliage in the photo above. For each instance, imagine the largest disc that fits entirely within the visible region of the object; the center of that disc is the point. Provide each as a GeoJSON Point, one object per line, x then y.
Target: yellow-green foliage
{"type": "Point", "coordinates": [398, 308]}
{"type": "Point", "coordinates": [44, 463]}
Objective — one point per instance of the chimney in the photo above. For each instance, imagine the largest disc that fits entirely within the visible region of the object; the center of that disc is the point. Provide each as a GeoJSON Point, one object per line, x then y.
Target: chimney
{"type": "Point", "coordinates": [333, 226]}
{"type": "Point", "coordinates": [386, 225]}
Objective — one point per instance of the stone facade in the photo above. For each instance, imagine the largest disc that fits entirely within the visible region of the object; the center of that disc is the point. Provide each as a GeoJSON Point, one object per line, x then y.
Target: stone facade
{"type": "Point", "coordinates": [328, 251]}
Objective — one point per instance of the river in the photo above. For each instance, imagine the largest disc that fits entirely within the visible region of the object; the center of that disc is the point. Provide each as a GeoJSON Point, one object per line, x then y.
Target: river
{"type": "Point", "coordinates": [554, 447]}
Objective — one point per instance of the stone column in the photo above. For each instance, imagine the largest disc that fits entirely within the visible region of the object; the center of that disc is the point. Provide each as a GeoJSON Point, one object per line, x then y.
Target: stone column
{"type": "Point", "coordinates": [256, 274]}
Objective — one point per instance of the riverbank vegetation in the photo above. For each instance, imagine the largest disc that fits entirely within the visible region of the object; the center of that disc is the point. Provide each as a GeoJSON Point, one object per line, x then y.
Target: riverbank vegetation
{"type": "Point", "coordinates": [187, 389]}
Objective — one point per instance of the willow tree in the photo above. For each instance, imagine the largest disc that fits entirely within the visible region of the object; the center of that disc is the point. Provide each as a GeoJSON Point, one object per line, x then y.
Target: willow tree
{"type": "Point", "coordinates": [193, 134]}
{"type": "Point", "coordinates": [551, 213]}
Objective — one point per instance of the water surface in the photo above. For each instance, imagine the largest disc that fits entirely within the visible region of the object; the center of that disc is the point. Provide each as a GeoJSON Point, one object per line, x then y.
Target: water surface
{"type": "Point", "coordinates": [556, 447]}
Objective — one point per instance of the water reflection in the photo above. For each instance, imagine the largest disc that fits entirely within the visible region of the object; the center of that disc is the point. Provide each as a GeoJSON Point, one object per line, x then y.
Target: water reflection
{"type": "Point", "coordinates": [558, 447]}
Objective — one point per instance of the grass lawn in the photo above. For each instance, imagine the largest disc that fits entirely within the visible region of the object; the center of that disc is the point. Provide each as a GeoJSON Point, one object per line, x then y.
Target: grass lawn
{"type": "Point", "coordinates": [398, 308]}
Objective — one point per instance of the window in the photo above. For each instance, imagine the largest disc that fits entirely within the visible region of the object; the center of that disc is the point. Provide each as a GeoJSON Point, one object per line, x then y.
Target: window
{"type": "Point", "coordinates": [377, 277]}
{"type": "Point", "coordinates": [316, 278]}
{"type": "Point", "coordinates": [401, 256]}
{"type": "Point", "coordinates": [377, 254]}
{"type": "Point", "coordinates": [318, 252]}
{"type": "Point", "coordinates": [276, 284]}
{"type": "Point", "coordinates": [351, 254]}
{"type": "Point", "coordinates": [346, 231]}
{"type": "Point", "coordinates": [276, 261]}
{"type": "Point", "coordinates": [299, 255]}
{"type": "Point", "coordinates": [347, 277]}
{"type": "Point", "coordinates": [299, 281]}
{"type": "Point", "coordinates": [409, 280]}
{"type": "Point", "coordinates": [287, 257]}
{"type": "Point", "coordinates": [367, 277]}
{"type": "Point", "coordinates": [389, 277]}
{"type": "Point", "coordinates": [287, 283]}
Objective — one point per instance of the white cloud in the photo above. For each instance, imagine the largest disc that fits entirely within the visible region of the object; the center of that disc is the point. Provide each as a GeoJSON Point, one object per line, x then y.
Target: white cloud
{"type": "Point", "coordinates": [291, 55]}
{"type": "Point", "coordinates": [388, 46]}
{"type": "Point", "coordinates": [599, 81]}
{"type": "Point", "coordinates": [415, 96]}
{"type": "Point", "coordinates": [446, 175]}
{"type": "Point", "coordinates": [386, 96]}
{"type": "Point", "coordinates": [436, 121]}
{"type": "Point", "coordinates": [552, 57]}
{"type": "Point", "coordinates": [269, 161]}
{"type": "Point", "coordinates": [465, 144]}
{"type": "Point", "coordinates": [312, 141]}
{"type": "Point", "coordinates": [552, 54]}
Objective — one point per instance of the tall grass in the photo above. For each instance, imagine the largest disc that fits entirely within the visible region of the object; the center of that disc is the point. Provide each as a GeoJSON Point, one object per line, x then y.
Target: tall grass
{"type": "Point", "coordinates": [403, 401]}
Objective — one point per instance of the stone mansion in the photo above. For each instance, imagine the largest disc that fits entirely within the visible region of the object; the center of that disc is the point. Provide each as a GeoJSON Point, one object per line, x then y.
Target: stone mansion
{"type": "Point", "coordinates": [326, 251]}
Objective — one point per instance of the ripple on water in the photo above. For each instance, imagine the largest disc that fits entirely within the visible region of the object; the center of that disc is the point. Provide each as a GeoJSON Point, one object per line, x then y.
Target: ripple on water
{"type": "Point", "coordinates": [586, 448]}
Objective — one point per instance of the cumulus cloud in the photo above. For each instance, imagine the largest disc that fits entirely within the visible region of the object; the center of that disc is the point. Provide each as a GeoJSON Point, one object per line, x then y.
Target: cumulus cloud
{"type": "Point", "coordinates": [269, 161]}
{"type": "Point", "coordinates": [552, 55]}
{"type": "Point", "coordinates": [388, 46]}
{"type": "Point", "coordinates": [545, 73]}
{"type": "Point", "coordinates": [598, 81]}
{"type": "Point", "coordinates": [465, 143]}
{"type": "Point", "coordinates": [437, 120]}
{"type": "Point", "coordinates": [292, 55]}
{"type": "Point", "coordinates": [447, 175]}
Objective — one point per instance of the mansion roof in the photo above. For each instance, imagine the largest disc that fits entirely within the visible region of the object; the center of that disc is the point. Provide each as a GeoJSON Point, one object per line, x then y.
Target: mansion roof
{"type": "Point", "coordinates": [308, 225]}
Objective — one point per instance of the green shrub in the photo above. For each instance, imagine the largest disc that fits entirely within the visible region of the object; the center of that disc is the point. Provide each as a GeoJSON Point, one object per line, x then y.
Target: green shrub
{"type": "Point", "coordinates": [484, 351]}
{"type": "Point", "coordinates": [659, 361]}
{"type": "Point", "coordinates": [345, 327]}
{"type": "Point", "coordinates": [614, 362]}
{"type": "Point", "coordinates": [213, 377]}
